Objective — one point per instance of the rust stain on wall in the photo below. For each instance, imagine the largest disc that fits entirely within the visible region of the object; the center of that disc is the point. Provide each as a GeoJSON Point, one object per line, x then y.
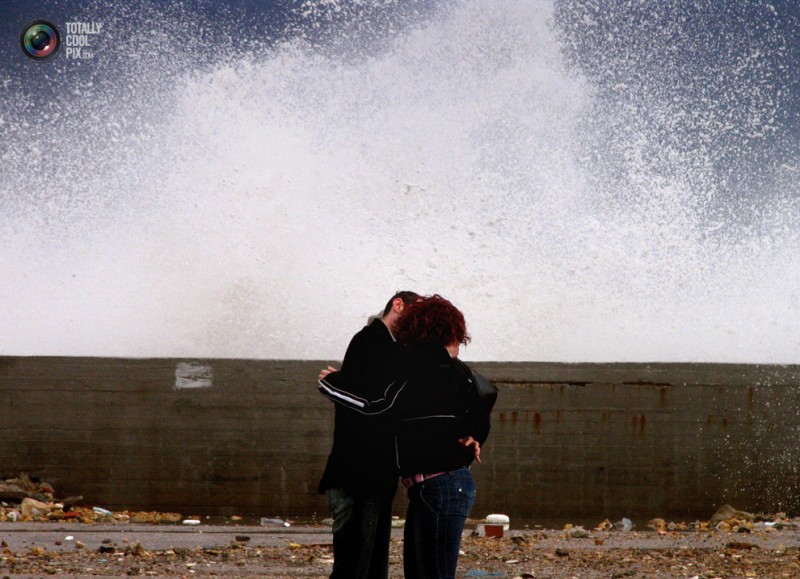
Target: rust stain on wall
{"type": "Point", "coordinates": [638, 423]}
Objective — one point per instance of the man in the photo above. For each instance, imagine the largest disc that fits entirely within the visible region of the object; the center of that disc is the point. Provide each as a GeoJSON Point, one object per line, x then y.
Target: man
{"type": "Point", "coordinates": [360, 478]}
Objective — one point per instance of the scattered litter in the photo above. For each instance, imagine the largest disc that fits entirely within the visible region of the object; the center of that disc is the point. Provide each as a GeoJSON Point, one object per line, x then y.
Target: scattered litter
{"type": "Point", "coordinates": [23, 486]}
{"type": "Point", "coordinates": [274, 522]}
{"type": "Point", "coordinates": [135, 549]}
{"type": "Point", "coordinates": [578, 533]}
{"type": "Point", "coordinates": [726, 512]}
{"type": "Point", "coordinates": [486, 530]}
{"type": "Point", "coordinates": [33, 508]}
{"type": "Point", "coordinates": [494, 526]}
{"type": "Point", "coordinates": [606, 525]}
{"type": "Point", "coordinates": [519, 539]}
{"type": "Point", "coordinates": [624, 525]}
{"type": "Point", "coordinates": [739, 545]}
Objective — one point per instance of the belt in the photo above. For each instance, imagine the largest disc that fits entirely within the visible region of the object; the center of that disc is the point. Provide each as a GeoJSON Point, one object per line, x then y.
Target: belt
{"type": "Point", "coordinates": [410, 481]}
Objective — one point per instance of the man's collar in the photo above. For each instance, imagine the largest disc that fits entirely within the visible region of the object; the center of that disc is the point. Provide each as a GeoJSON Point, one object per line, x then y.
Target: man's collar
{"type": "Point", "coordinates": [381, 322]}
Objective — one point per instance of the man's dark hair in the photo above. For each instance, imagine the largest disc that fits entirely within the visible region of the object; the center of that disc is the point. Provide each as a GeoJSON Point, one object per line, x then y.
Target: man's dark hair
{"type": "Point", "coordinates": [407, 297]}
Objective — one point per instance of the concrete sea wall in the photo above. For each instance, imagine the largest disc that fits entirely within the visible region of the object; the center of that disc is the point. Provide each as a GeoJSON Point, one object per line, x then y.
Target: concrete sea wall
{"type": "Point", "coordinates": [251, 436]}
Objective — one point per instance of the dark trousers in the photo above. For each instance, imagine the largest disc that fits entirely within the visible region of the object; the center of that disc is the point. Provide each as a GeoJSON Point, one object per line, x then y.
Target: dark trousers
{"type": "Point", "coordinates": [362, 528]}
{"type": "Point", "coordinates": [437, 512]}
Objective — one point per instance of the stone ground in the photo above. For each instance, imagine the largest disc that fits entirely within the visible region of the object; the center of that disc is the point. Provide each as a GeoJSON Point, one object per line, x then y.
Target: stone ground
{"type": "Point", "coordinates": [42, 549]}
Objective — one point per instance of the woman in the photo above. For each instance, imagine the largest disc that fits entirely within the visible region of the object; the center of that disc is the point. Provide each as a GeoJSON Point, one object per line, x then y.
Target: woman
{"type": "Point", "coordinates": [438, 432]}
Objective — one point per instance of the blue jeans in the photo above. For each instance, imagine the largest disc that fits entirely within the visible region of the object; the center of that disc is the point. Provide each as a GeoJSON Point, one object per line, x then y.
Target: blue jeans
{"type": "Point", "coordinates": [362, 528]}
{"type": "Point", "coordinates": [437, 512]}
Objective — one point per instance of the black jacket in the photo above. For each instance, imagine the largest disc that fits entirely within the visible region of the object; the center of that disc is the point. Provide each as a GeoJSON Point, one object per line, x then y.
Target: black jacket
{"type": "Point", "coordinates": [431, 403]}
{"type": "Point", "coordinates": [362, 457]}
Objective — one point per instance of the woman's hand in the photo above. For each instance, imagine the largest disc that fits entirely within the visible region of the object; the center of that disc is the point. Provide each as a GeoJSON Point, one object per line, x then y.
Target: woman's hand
{"type": "Point", "coordinates": [325, 372]}
{"type": "Point", "coordinates": [469, 441]}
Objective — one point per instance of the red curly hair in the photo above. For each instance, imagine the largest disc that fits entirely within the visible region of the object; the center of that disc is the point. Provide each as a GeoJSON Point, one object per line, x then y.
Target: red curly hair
{"type": "Point", "coordinates": [431, 320]}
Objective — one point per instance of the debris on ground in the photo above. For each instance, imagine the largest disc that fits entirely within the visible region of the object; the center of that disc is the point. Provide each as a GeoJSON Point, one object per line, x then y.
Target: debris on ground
{"type": "Point", "coordinates": [23, 499]}
{"type": "Point", "coordinates": [726, 512]}
{"type": "Point", "coordinates": [22, 487]}
{"type": "Point", "coordinates": [732, 543]}
{"type": "Point", "coordinates": [274, 522]}
{"type": "Point", "coordinates": [524, 554]}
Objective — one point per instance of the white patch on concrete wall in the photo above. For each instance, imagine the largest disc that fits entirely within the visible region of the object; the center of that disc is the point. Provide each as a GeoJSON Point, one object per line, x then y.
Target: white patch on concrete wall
{"type": "Point", "coordinates": [193, 375]}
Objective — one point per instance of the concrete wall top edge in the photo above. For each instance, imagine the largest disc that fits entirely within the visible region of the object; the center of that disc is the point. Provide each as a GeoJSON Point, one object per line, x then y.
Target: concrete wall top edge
{"type": "Point", "coordinates": [655, 374]}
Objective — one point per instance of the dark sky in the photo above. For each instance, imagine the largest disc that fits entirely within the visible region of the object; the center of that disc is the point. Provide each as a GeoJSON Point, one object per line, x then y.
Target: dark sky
{"type": "Point", "coordinates": [668, 56]}
{"type": "Point", "coordinates": [681, 37]}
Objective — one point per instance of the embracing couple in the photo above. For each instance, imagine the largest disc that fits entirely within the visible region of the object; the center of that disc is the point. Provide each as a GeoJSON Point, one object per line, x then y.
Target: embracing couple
{"type": "Point", "coordinates": [405, 406]}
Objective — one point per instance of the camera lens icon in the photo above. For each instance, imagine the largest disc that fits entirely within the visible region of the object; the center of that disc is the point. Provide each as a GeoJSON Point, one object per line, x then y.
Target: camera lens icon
{"type": "Point", "coordinates": [40, 40]}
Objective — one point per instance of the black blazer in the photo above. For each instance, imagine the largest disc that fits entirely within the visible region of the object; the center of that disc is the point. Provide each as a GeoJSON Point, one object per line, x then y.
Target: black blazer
{"type": "Point", "coordinates": [362, 458]}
